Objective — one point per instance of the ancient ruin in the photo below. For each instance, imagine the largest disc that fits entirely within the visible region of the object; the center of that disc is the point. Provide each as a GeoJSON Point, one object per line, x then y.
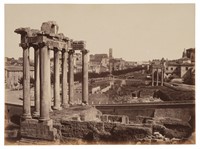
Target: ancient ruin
{"type": "Point", "coordinates": [67, 121]}
{"type": "Point", "coordinates": [159, 68]}
{"type": "Point", "coordinates": [43, 41]}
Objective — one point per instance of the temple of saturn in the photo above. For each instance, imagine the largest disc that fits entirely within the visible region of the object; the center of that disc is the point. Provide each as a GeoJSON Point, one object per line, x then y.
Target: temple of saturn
{"type": "Point", "coordinates": [42, 41]}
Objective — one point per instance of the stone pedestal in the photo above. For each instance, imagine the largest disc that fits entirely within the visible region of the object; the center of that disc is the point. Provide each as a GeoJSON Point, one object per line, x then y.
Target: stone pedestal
{"type": "Point", "coordinates": [57, 102]}
{"type": "Point", "coordinates": [32, 128]}
{"type": "Point", "coordinates": [71, 77]}
{"type": "Point", "coordinates": [65, 98]}
{"type": "Point", "coordinates": [37, 82]}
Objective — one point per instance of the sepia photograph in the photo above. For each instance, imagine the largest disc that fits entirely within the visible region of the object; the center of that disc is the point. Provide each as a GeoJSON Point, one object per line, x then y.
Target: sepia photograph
{"type": "Point", "coordinates": [108, 74]}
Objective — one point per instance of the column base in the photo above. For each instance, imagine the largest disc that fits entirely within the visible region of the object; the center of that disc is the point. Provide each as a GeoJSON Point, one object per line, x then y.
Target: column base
{"type": "Point", "coordinates": [26, 116]}
{"type": "Point", "coordinates": [84, 104]}
{"type": "Point", "coordinates": [71, 104]}
{"type": "Point", "coordinates": [50, 109]}
{"type": "Point", "coordinates": [44, 119]}
{"type": "Point", "coordinates": [65, 105]}
{"type": "Point", "coordinates": [57, 108]}
{"type": "Point", "coordinates": [36, 114]}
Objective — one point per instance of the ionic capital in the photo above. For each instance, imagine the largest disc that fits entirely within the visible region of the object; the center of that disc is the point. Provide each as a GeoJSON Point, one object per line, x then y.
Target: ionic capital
{"type": "Point", "coordinates": [24, 45]}
{"type": "Point", "coordinates": [84, 51]}
{"type": "Point", "coordinates": [35, 46]}
{"type": "Point", "coordinates": [41, 45]}
{"type": "Point", "coordinates": [71, 51]}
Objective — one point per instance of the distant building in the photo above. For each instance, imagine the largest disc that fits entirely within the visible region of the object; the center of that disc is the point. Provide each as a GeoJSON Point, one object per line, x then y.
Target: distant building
{"type": "Point", "coordinates": [130, 64]}
{"type": "Point", "coordinates": [183, 68]}
{"type": "Point", "coordinates": [110, 53]}
{"type": "Point", "coordinates": [117, 64]}
{"type": "Point", "coordinates": [178, 70]}
{"type": "Point", "coordinates": [98, 63]}
{"type": "Point", "coordinates": [190, 53]}
{"type": "Point", "coordinates": [13, 74]}
{"type": "Point", "coordinates": [77, 62]}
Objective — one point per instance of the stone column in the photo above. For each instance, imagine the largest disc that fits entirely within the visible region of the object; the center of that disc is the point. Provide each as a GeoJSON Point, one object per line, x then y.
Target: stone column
{"type": "Point", "coordinates": [152, 77]}
{"type": "Point", "coordinates": [71, 77]}
{"type": "Point", "coordinates": [26, 83]}
{"type": "Point", "coordinates": [84, 76]}
{"type": "Point", "coordinates": [37, 81]}
{"type": "Point", "coordinates": [157, 77]}
{"type": "Point", "coordinates": [162, 76]}
{"type": "Point", "coordinates": [57, 103]}
{"type": "Point", "coordinates": [45, 83]}
{"type": "Point", "coordinates": [50, 87]}
{"type": "Point", "coordinates": [64, 79]}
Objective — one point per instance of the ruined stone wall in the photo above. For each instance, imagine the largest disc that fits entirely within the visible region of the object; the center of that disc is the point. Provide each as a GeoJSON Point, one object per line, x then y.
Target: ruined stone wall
{"type": "Point", "coordinates": [94, 131]}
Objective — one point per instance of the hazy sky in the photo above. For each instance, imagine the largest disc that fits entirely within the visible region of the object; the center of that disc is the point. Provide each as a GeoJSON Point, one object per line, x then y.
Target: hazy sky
{"type": "Point", "coordinates": [135, 32]}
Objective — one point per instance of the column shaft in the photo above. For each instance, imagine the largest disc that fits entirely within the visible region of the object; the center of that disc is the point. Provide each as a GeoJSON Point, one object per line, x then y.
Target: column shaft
{"type": "Point", "coordinates": [162, 77]}
{"type": "Point", "coordinates": [71, 77]}
{"type": "Point", "coordinates": [64, 79]}
{"type": "Point", "coordinates": [157, 78]}
{"type": "Point", "coordinates": [56, 81]}
{"type": "Point", "coordinates": [49, 80]}
{"type": "Point", "coordinates": [84, 77]}
{"type": "Point", "coordinates": [26, 84]}
{"type": "Point", "coordinates": [152, 77]}
{"type": "Point", "coordinates": [44, 83]}
{"type": "Point", "coordinates": [37, 82]}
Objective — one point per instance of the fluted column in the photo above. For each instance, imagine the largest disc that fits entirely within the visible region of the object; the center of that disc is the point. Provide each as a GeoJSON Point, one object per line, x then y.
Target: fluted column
{"type": "Point", "coordinates": [84, 76]}
{"type": "Point", "coordinates": [37, 81]}
{"type": "Point", "coordinates": [57, 102]}
{"type": "Point", "coordinates": [65, 98]}
{"type": "Point", "coordinates": [45, 83]}
{"type": "Point", "coordinates": [26, 83]}
{"type": "Point", "coordinates": [157, 77]}
{"type": "Point", "coordinates": [71, 77]}
{"type": "Point", "coordinates": [152, 77]}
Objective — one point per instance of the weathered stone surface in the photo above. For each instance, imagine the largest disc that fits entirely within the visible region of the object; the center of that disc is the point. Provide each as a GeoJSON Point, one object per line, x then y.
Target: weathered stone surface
{"type": "Point", "coordinates": [173, 113]}
{"type": "Point", "coordinates": [33, 128]}
{"type": "Point", "coordinates": [49, 27]}
{"type": "Point", "coordinates": [78, 45]}
{"type": "Point", "coordinates": [130, 133]}
{"type": "Point", "coordinates": [90, 114]}
{"type": "Point", "coordinates": [172, 128]}
{"type": "Point", "coordinates": [142, 119]}
{"type": "Point", "coordinates": [108, 127]}
{"type": "Point", "coordinates": [22, 30]}
{"type": "Point", "coordinates": [75, 129]}
{"type": "Point", "coordinates": [123, 119]}
{"type": "Point", "coordinates": [93, 131]}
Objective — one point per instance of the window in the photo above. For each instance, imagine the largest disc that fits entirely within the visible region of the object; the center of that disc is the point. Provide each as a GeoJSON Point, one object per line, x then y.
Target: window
{"type": "Point", "coordinates": [171, 68]}
{"type": "Point", "coordinates": [167, 68]}
{"type": "Point", "coordinates": [186, 68]}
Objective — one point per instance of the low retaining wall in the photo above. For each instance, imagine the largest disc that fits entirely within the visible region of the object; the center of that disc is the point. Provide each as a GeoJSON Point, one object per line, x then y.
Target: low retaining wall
{"type": "Point", "coordinates": [185, 112]}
